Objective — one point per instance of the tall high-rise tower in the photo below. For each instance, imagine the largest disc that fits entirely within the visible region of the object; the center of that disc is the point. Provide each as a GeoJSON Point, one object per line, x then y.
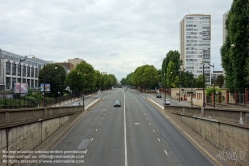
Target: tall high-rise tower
{"type": "Point", "coordinates": [195, 37]}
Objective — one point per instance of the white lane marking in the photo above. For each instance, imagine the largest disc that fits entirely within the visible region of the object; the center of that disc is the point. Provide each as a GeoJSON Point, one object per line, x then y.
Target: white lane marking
{"type": "Point", "coordinates": [92, 139]}
{"type": "Point", "coordinates": [150, 123]}
{"type": "Point", "coordinates": [104, 114]}
{"type": "Point", "coordinates": [136, 123]}
{"type": "Point", "coordinates": [158, 139]}
{"type": "Point", "coordinates": [102, 118]}
{"type": "Point", "coordinates": [96, 129]}
{"type": "Point", "coordinates": [144, 113]}
{"type": "Point", "coordinates": [99, 122]}
{"type": "Point", "coordinates": [147, 118]}
{"type": "Point", "coordinates": [125, 141]}
{"type": "Point", "coordinates": [166, 152]}
{"type": "Point", "coordinates": [153, 130]}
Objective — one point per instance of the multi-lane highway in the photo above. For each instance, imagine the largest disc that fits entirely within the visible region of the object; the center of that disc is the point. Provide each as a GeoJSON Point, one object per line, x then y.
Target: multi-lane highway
{"type": "Point", "coordinates": [135, 134]}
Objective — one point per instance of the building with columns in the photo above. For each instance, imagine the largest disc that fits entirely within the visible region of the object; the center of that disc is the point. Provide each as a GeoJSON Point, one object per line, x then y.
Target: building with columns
{"type": "Point", "coordinates": [15, 70]}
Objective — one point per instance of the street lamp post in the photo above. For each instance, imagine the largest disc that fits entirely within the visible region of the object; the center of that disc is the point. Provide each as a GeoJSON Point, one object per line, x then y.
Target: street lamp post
{"type": "Point", "coordinates": [165, 78]}
{"type": "Point", "coordinates": [44, 93]}
{"type": "Point", "coordinates": [21, 60]}
{"type": "Point", "coordinates": [214, 95]}
{"type": "Point", "coordinates": [60, 85]}
{"type": "Point", "coordinates": [203, 88]}
{"type": "Point", "coordinates": [83, 96]}
{"type": "Point", "coordinates": [3, 78]}
{"type": "Point", "coordinates": [179, 86]}
{"type": "Point", "coordinates": [165, 86]}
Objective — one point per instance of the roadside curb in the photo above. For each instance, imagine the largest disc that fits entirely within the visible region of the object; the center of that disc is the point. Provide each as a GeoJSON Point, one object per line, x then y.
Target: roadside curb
{"type": "Point", "coordinates": [161, 110]}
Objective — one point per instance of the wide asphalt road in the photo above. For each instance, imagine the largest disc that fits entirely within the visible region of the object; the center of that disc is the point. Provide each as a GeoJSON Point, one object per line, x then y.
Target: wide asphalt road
{"type": "Point", "coordinates": [135, 134]}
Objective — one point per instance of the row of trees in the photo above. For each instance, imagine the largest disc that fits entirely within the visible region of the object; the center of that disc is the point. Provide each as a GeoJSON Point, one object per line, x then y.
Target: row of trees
{"type": "Point", "coordinates": [235, 50]}
{"type": "Point", "coordinates": [82, 78]}
{"type": "Point", "coordinates": [145, 76]}
{"type": "Point", "coordinates": [170, 76]}
{"type": "Point", "coordinates": [173, 76]}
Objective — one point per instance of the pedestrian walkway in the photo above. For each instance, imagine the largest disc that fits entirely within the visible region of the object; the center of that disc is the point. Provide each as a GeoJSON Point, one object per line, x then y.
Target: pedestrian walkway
{"type": "Point", "coordinates": [182, 102]}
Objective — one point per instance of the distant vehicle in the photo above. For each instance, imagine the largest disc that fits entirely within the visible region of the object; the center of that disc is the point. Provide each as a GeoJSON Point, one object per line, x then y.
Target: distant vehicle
{"type": "Point", "coordinates": [158, 96]}
{"type": "Point", "coordinates": [166, 102]}
{"type": "Point", "coordinates": [117, 103]}
{"type": "Point", "coordinates": [76, 103]}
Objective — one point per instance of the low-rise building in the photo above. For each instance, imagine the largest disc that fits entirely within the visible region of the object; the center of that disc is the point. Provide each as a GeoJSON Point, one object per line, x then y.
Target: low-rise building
{"type": "Point", "coordinates": [19, 69]}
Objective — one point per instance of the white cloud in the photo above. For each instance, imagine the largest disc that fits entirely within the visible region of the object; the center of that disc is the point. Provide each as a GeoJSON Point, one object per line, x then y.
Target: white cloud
{"type": "Point", "coordinates": [113, 36]}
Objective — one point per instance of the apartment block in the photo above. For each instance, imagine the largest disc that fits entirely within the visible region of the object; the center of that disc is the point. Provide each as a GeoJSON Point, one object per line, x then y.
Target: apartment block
{"type": "Point", "coordinates": [195, 44]}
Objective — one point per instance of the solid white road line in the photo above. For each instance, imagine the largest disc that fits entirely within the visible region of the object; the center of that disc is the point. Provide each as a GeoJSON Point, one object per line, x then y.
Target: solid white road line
{"type": "Point", "coordinates": [125, 141]}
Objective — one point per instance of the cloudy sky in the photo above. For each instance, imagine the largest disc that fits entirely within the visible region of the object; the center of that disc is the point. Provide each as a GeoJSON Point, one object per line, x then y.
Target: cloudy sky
{"type": "Point", "coordinates": [114, 36]}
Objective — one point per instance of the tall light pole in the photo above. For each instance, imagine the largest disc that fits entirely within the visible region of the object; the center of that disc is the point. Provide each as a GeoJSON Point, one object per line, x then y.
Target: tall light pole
{"type": "Point", "coordinates": [165, 78]}
{"type": "Point", "coordinates": [213, 83]}
{"type": "Point", "coordinates": [44, 92]}
{"type": "Point", "coordinates": [83, 96]}
{"type": "Point", "coordinates": [60, 84]}
{"type": "Point", "coordinates": [203, 88]}
{"type": "Point", "coordinates": [179, 86]}
{"type": "Point", "coordinates": [3, 78]}
{"type": "Point", "coordinates": [21, 60]}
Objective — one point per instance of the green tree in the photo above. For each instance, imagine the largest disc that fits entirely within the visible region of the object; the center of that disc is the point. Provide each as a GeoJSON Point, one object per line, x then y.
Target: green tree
{"type": "Point", "coordinates": [210, 90]}
{"type": "Point", "coordinates": [98, 76]}
{"type": "Point", "coordinates": [145, 76]}
{"type": "Point", "coordinates": [171, 67]}
{"type": "Point", "coordinates": [235, 51]}
{"type": "Point", "coordinates": [199, 81]}
{"type": "Point", "coordinates": [219, 81]}
{"type": "Point", "coordinates": [130, 80]}
{"type": "Point", "coordinates": [55, 77]}
{"type": "Point", "coordinates": [123, 81]}
{"type": "Point", "coordinates": [74, 80]}
{"type": "Point", "coordinates": [88, 75]}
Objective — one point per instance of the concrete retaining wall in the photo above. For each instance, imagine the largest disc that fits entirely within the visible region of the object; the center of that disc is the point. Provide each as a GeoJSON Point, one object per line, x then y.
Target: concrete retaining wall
{"type": "Point", "coordinates": [232, 139]}
{"type": "Point", "coordinates": [33, 126]}
{"type": "Point", "coordinates": [29, 136]}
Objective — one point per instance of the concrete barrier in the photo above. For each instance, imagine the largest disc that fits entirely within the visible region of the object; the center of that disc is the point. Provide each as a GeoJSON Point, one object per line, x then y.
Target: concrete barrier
{"type": "Point", "coordinates": [26, 129]}
{"type": "Point", "coordinates": [226, 129]}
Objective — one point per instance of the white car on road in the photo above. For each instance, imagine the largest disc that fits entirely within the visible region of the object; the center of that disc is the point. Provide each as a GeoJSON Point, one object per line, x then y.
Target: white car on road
{"type": "Point", "coordinates": [166, 102]}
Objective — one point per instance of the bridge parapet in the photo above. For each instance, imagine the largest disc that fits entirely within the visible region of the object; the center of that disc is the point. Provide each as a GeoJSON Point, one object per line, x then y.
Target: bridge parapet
{"type": "Point", "coordinates": [13, 117]}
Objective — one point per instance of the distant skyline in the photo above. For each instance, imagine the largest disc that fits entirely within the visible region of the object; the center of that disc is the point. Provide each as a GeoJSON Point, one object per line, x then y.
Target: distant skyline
{"type": "Point", "coordinates": [113, 36]}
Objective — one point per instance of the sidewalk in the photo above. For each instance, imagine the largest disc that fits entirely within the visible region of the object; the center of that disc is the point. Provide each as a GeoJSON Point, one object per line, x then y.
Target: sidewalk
{"type": "Point", "coordinates": [182, 102]}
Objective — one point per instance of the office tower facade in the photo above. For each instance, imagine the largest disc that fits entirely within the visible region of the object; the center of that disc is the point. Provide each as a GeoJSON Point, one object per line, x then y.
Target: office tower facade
{"type": "Point", "coordinates": [195, 44]}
